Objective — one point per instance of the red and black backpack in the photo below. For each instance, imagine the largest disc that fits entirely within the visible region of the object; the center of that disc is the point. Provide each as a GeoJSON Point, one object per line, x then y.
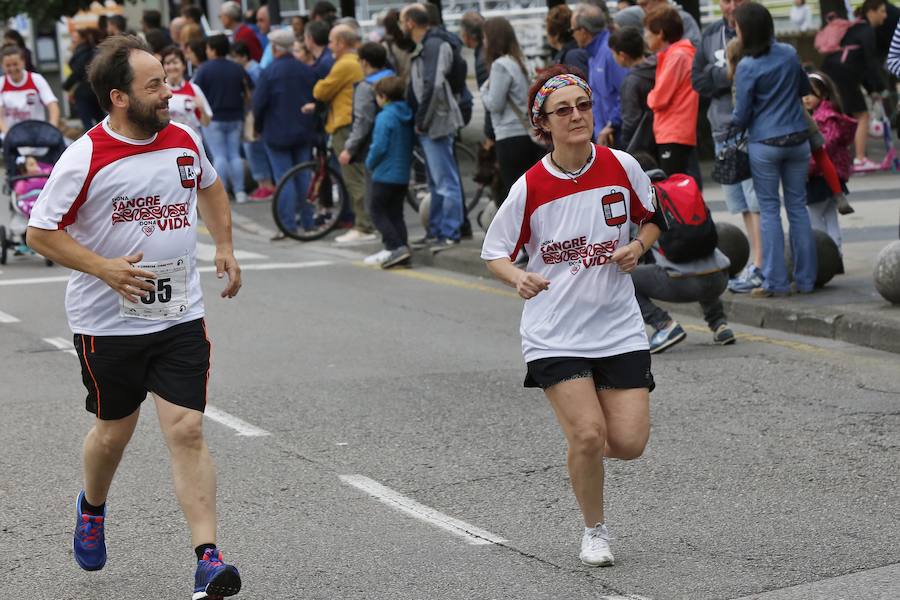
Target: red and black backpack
{"type": "Point", "coordinates": [692, 233]}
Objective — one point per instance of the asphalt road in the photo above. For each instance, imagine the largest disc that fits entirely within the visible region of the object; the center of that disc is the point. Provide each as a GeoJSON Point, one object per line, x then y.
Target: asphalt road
{"type": "Point", "coordinates": [772, 463]}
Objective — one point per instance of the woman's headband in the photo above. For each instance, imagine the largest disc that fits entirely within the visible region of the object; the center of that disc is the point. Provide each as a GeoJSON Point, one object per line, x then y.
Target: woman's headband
{"type": "Point", "coordinates": [551, 85]}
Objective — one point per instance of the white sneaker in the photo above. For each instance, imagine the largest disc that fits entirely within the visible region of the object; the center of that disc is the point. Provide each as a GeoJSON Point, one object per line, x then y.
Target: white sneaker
{"type": "Point", "coordinates": [240, 197]}
{"type": "Point", "coordinates": [355, 236]}
{"type": "Point", "coordinates": [377, 258]}
{"type": "Point", "coordinates": [595, 550]}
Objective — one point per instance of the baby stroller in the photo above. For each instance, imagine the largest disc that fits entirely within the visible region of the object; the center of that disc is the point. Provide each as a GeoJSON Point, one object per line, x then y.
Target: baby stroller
{"type": "Point", "coordinates": [33, 138]}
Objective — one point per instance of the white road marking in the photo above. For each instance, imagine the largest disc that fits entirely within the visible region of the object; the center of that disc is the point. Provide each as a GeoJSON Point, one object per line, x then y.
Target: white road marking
{"type": "Point", "coordinates": [205, 269]}
{"type": "Point", "coordinates": [242, 427]}
{"type": "Point", "coordinates": [626, 597]}
{"type": "Point", "coordinates": [61, 344]}
{"type": "Point", "coordinates": [207, 252]}
{"type": "Point", "coordinates": [7, 318]}
{"type": "Point", "coordinates": [398, 501]}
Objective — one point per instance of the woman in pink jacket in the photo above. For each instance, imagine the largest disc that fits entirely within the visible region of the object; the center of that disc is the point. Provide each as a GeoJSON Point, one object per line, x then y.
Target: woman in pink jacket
{"type": "Point", "coordinates": [673, 100]}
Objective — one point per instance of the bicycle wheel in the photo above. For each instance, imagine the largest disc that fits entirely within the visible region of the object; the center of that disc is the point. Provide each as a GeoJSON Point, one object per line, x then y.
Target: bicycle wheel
{"type": "Point", "coordinates": [466, 160]}
{"type": "Point", "coordinates": [312, 213]}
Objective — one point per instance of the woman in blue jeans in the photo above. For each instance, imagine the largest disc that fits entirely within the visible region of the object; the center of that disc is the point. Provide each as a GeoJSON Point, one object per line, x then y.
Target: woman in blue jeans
{"type": "Point", "coordinates": [769, 83]}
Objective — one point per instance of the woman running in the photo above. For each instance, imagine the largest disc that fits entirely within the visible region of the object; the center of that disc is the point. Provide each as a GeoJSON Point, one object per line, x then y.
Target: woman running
{"type": "Point", "coordinates": [582, 333]}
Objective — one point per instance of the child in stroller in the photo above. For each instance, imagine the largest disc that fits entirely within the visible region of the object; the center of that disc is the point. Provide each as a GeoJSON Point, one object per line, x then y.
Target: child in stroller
{"type": "Point", "coordinates": [30, 149]}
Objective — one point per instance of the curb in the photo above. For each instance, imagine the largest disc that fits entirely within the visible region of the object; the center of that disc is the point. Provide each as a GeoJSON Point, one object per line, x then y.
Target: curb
{"type": "Point", "coordinates": [841, 323]}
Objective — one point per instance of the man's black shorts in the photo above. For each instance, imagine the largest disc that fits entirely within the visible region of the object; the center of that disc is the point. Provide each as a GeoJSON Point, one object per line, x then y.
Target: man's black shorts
{"type": "Point", "coordinates": [119, 370]}
{"type": "Point", "coordinates": [621, 372]}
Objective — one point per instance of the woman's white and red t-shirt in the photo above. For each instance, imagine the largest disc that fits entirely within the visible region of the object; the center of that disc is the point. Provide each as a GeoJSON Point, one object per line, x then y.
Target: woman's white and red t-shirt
{"type": "Point", "coordinates": [117, 197]}
{"type": "Point", "coordinates": [25, 99]}
{"type": "Point", "coordinates": [570, 231]}
{"type": "Point", "coordinates": [188, 104]}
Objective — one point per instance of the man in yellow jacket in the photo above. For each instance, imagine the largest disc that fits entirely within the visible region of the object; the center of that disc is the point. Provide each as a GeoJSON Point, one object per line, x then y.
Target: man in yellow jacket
{"type": "Point", "coordinates": [336, 90]}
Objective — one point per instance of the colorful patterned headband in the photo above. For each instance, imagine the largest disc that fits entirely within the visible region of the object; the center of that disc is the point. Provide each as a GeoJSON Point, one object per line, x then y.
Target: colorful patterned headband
{"type": "Point", "coordinates": [555, 83]}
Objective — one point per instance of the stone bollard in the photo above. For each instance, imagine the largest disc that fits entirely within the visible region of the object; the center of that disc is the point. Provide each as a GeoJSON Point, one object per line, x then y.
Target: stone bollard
{"type": "Point", "coordinates": [828, 258]}
{"type": "Point", "coordinates": [733, 244]}
{"type": "Point", "coordinates": [425, 211]}
{"type": "Point", "coordinates": [887, 272]}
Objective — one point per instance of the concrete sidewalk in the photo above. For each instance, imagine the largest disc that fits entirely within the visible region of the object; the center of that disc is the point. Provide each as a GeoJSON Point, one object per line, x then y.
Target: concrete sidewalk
{"type": "Point", "coordinates": [848, 308]}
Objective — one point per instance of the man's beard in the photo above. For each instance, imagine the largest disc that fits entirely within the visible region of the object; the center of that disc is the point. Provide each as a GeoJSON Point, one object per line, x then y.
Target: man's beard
{"type": "Point", "coordinates": [146, 116]}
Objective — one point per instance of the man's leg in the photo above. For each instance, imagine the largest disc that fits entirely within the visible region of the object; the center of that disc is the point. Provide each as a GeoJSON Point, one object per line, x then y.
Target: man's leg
{"type": "Point", "coordinates": [287, 199]}
{"type": "Point", "coordinates": [192, 468]}
{"type": "Point", "coordinates": [236, 165]}
{"type": "Point", "coordinates": [103, 448]}
{"type": "Point", "coordinates": [442, 166]}
{"type": "Point", "coordinates": [649, 283]}
{"type": "Point", "coordinates": [355, 181]}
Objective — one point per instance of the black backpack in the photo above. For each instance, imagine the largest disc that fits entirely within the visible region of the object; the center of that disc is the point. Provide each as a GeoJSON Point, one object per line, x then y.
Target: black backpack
{"type": "Point", "coordinates": [692, 234]}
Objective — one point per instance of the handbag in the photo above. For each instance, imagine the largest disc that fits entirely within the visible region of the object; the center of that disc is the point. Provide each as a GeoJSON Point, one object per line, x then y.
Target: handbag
{"type": "Point", "coordinates": [732, 164]}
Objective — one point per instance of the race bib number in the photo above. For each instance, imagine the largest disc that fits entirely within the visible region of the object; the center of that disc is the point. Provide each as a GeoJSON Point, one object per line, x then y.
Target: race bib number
{"type": "Point", "coordinates": [169, 300]}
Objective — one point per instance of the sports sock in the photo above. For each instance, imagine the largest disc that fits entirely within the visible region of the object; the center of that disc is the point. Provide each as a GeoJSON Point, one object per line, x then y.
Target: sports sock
{"type": "Point", "coordinates": [90, 509]}
{"type": "Point", "coordinates": [199, 550]}
{"type": "Point", "coordinates": [828, 172]}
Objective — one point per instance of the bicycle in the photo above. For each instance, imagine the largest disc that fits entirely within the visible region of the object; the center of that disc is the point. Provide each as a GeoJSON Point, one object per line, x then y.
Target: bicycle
{"type": "Point", "coordinates": [316, 211]}
{"type": "Point", "coordinates": [466, 160]}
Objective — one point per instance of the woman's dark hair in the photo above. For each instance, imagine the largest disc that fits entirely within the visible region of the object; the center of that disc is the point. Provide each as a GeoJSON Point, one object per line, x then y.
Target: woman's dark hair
{"type": "Point", "coordinates": [394, 34]}
{"type": "Point", "coordinates": [11, 50]}
{"type": "Point", "coordinates": [757, 28]}
{"type": "Point", "coordinates": [198, 48]}
{"type": "Point", "coordinates": [824, 88]}
{"type": "Point", "coordinates": [868, 5]}
{"type": "Point", "coordinates": [628, 41]}
{"type": "Point", "coordinates": [391, 88]}
{"type": "Point", "coordinates": [374, 54]}
{"type": "Point", "coordinates": [15, 37]}
{"type": "Point", "coordinates": [543, 77]}
{"type": "Point", "coordinates": [219, 44]}
{"type": "Point", "coordinates": [665, 20]}
{"type": "Point", "coordinates": [241, 49]}
{"type": "Point", "coordinates": [111, 67]}
{"type": "Point", "coordinates": [500, 40]}
{"type": "Point", "coordinates": [173, 51]}
{"type": "Point", "coordinates": [559, 23]}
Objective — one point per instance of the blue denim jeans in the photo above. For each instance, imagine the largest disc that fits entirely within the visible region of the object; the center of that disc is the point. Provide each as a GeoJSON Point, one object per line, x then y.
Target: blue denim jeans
{"type": "Point", "coordinates": [739, 197]}
{"type": "Point", "coordinates": [224, 140]}
{"type": "Point", "coordinates": [771, 166]}
{"type": "Point", "coordinates": [281, 160]}
{"type": "Point", "coordinates": [258, 159]}
{"type": "Point", "coordinates": [445, 186]}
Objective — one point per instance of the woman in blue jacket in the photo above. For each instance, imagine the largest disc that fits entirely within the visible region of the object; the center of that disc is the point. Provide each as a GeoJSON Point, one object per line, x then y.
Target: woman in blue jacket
{"type": "Point", "coordinates": [389, 161]}
{"type": "Point", "coordinates": [769, 83]}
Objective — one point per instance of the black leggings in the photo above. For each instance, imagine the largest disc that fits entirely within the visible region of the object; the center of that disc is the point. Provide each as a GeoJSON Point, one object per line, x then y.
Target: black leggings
{"type": "Point", "coordinates": [387, 213]}
{"type": "Point", "coordinates": [675, 158]}
{"type": "Point", "coordinates": [515, 155]}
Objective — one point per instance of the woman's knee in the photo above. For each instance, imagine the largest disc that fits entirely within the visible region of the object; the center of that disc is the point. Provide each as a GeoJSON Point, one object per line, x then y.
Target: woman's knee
{"type": "Point", "coordinates": [588, 439]}
{"type": "Point", "coordinates": [628, 447]}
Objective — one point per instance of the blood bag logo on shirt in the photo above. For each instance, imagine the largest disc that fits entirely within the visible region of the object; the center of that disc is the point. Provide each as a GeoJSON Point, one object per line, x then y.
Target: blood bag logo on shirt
{"type": "Point", "coordinates": [186, 171]}
{"type": "Point", "coordinates": [614, 209]}
{"type": "Point", "coordinates": [31, 98]}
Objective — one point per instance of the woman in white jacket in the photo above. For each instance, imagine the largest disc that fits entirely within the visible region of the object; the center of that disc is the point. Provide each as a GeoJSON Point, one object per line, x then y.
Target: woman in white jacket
{"type": "Point", "coordinates": [504, 95]}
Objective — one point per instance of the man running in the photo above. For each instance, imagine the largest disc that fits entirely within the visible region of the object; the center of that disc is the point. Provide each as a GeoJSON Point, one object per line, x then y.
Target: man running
{"type": "Point", "coordinates": [120, 209]}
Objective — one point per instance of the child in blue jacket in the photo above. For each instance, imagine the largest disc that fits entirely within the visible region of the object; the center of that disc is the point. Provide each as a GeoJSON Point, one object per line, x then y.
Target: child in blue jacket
{"type": "Point", "coordinates": [389, 161]}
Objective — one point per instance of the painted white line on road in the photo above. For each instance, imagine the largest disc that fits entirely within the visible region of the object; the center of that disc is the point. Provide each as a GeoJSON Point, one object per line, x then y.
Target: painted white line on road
{"type": "Point", "coordinates": [207, 252]}
{"type": "Point", "coordinates": [242, 427]}
{"type": "Point", "coordinates": [61, 344]}
{"type": "Point", "coordinates": [398, 501]}
{"type": "Point", "coordinates": [7, 318]}
{"type": "Point", "coordinates": [205, 269]}
{"type": "Point", "coordinates": [626, 597]}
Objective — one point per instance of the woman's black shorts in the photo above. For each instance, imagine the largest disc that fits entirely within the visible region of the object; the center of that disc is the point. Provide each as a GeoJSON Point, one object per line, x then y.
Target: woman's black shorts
{"type": "Point", "coordinates": [621, 372]}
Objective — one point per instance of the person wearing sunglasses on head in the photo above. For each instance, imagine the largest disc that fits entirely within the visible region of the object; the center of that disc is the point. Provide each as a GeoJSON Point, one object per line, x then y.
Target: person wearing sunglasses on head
{"type": "Point", "coordinates": [583, 337]}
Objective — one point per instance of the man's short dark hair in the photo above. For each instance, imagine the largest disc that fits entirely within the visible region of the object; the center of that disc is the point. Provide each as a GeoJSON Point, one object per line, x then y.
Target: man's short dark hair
{"type": "Point", "coordinates": [111, 69]}
{"type": "Point", "coordinates": [219, 44]}
{"type": "Point", "coordinates": [419, 16]}
{"type": "Point", "coordinates": [472, 24]}
{"type": "Point", "coordinates": [374, 54]}
{"type": "Point", "coordinates": [152, 19]}
{"type": "Point", "coordinates": [241, 49]}
{"type": "Point", "coordinates": [628, 41]}
{"type": "Point", "coordinates": [391, 88]}
{"type": "Point", "coordinates": [757, 28]}
{"type": "Point", "coordinates": [318, 31]}
{"type": "Point", "coordinates": [157, 40]}
{"type": "Point", "coordinates": [119, 21]}
{"type": "Point", "coordinates": [192, 13]}
{"type": "Point", "coordinates": [324, 10]}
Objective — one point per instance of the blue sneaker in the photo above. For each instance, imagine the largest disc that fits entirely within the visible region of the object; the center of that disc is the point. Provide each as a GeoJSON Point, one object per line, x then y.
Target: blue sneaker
{"type": "Point", "coordinates": [666, 338]}
{"type": "Point", "coordinates": [750, 279]}
{"type": "Point", "coordinates": [90, 542]}
{"type": "Point", "coordinates": [215, 579]}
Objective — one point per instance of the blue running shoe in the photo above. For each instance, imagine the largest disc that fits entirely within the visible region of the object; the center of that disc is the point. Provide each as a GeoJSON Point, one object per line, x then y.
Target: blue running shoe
{"type": "Point", "coordinates": [214, 579]}
{"type": "Point", "coordinates": [666, 338]}
{"type": "Point", "coordinates": [750, 279]}
{"type": "Point", "coordinates": [90, 542]}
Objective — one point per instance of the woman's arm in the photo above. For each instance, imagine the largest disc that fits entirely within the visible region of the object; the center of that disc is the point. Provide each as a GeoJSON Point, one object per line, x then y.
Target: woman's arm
{"type": "Point", "coordinates": [528, 285]}
{"type": "Point", "coordinates": [495, 90]}
{"type": "Point", "coordinates": [627, 256]}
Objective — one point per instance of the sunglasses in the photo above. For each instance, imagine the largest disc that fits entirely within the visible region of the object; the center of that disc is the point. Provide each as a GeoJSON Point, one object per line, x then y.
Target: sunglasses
{"type": "Point", "coordinates": [564, 111]}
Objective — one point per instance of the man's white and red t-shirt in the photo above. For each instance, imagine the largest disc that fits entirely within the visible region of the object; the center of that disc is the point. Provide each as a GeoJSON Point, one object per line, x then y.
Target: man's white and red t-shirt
{"type": "Point", "coordinates": [188, 104]}
{"type": "Point", "coordinates": [117, 197]}
{"type": "Point", "coordinates": [570, 231]}
{"type": "Point", "coordinates": [25, 99]}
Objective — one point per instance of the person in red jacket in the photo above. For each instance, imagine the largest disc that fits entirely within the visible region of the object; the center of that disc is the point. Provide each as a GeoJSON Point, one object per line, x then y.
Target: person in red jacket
{"type": "Point", "coordinates": [673, 100]}
{"type": "Point", "coordinates": [232, 20]}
